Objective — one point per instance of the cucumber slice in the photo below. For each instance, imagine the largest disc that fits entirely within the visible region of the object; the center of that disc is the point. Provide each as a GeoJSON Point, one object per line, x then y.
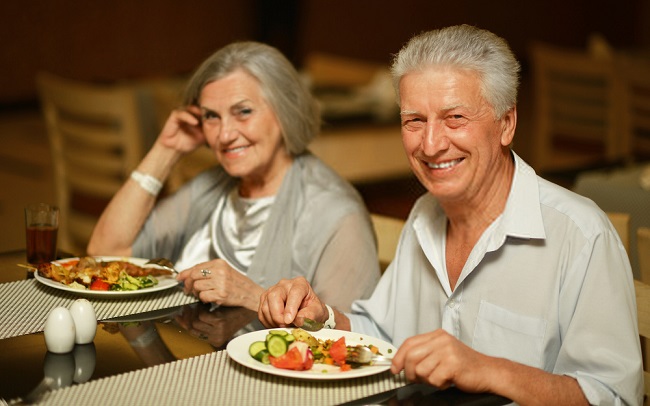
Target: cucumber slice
{"type": "Point", "coordinates": [289, 338]}
{"type": "Point", "coordinates": [263, 357]}
{"type": "Point", "coordinates": [278, 332]}
{"type": "Point", "coordinates": [276, 345]}
{"type": "Point", "coordinates": [256, 347]}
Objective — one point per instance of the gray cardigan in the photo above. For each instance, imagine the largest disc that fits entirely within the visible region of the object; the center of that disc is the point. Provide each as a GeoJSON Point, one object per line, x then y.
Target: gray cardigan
{"type": "Point", "coordinates": [318, 228]}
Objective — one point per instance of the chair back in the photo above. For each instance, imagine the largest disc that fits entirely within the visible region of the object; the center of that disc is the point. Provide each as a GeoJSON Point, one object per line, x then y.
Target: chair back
{"type": "Point", "coordinates": [635, 72]}
{"type": "Point", "coordinates": [621, 222]}
{"type": "Point", "coordinates": [643, 252]}
{"type": "Point", "coordinates": [94, 134]}
{"type": "Point", "coordinates": [576, 109]}
{"type": "Point", "coordinates": [643, 315]}
{"type": "Point", "coordinates": [388, 230]}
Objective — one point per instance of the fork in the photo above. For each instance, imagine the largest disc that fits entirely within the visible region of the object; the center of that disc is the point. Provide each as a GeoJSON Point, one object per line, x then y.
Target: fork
{"type": "Point", "coordinates": [363, 355]}
{"type": "Point", "coordinates": [162, 262]}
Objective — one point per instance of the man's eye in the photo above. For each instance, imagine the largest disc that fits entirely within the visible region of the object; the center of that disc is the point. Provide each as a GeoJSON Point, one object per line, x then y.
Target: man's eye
{"type": "Point", "coordinates": [456, 120]}
{"type": "Point", "coordinates": [411, 121]}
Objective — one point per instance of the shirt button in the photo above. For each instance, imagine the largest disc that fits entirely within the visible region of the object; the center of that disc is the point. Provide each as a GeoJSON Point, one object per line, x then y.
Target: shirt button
{"type": "Point", "coordinates": [451, 303]}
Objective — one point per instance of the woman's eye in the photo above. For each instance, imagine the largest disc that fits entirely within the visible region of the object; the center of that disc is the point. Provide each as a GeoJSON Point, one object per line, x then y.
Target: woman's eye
{"type": "Point", "coordinates": [245, 111]}
{"type": "Point", "coordinates": [207, 115]}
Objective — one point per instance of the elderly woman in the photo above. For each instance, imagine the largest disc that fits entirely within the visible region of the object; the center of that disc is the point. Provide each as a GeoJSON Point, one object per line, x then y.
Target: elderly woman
{"type": "Point", "coordinates": [270, 210]}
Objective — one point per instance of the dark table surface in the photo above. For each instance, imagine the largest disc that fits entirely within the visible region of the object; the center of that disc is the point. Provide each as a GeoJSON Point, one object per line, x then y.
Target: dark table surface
{"type": "Point", "coordinates": [146, 339]}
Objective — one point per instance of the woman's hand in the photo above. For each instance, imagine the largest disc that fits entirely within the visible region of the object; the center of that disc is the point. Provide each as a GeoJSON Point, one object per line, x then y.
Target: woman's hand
{"type": "Point", "coordinates": [217, 282]}
{"type": "Point", "coordinates": [182, 131]}
{"type": "Point", "coordinates": [288, 303]}
{"type": "Point", "coordinates": [217, 326]}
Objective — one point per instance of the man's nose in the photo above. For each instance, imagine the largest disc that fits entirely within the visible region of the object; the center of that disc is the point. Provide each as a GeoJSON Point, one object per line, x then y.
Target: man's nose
{"type": "Point", "coordinates": [435, 138]}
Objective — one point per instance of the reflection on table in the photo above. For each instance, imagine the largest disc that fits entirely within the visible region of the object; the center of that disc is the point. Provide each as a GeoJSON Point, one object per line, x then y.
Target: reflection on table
{"type": "Point", "coordinates": [139, 343]}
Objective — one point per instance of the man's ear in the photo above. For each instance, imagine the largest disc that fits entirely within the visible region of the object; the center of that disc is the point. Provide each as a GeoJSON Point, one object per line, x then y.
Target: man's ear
{"type": "Point", "coordinates": [508, 126]}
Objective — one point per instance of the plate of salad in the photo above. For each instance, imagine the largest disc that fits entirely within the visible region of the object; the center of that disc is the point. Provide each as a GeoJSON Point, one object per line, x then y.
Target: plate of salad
{"type": "Point", "coordinates": [105, 277]}
{"type": "Point", "coordinates": [296, 353]}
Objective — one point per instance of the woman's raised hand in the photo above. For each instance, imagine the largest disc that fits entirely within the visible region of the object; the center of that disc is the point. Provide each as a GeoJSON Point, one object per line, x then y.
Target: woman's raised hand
{"type": "Point", "coordinates": [182, 130]}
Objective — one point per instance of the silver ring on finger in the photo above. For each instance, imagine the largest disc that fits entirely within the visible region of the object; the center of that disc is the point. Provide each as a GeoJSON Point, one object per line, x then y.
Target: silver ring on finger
{"type": "Point", "coordinates": [205, 272]}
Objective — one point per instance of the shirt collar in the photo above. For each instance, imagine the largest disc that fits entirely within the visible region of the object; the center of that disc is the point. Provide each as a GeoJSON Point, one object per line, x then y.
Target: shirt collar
{"type": "Point", "coordinates": [522, 216]}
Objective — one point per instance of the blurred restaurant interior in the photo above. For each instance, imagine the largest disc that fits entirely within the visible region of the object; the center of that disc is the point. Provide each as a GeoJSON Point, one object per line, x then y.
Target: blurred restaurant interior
{"type": "Point", "coordinates": [344, 49]}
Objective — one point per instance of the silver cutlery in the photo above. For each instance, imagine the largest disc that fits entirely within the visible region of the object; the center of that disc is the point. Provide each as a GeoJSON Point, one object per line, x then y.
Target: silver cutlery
{"type": "Point", "coordinates": [162, 262]}
{"type": "Point", "coordinates": [364, 355]}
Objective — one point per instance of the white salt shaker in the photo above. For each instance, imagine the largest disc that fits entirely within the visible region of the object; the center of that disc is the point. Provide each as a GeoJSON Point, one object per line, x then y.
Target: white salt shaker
{"type": "Point", "coordinates": [85, 321]}
{"type": "Point", "coordinates": [59, 331]}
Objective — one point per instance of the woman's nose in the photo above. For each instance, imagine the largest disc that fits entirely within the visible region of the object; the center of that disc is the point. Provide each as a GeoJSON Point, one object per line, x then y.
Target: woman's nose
{"type": "Point", "coordinates": [228, 131]}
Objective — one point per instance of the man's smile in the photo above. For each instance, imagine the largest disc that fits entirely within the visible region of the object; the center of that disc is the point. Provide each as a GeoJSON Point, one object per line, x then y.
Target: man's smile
{"type": "Point", "coordinates": [444, 165]}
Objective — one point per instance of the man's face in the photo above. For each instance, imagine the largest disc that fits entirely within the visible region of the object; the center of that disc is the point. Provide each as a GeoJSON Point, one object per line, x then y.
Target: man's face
{"type": "Point", "coordinates": [453, 142]}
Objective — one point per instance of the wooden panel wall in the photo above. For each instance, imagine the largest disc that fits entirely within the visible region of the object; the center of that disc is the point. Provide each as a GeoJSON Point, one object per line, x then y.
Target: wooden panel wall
{"type": "Point", "coordinates": [123, 39]}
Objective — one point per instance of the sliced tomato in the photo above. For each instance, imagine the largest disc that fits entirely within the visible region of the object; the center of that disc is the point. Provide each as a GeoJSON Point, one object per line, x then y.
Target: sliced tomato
{"type": "Point", "coordinates": [98, 284]}
{"type": "Point", "coordinates": [291, 359]}
{"type": "Point", "coordinates": [338, 351]}
{"type": "Point", "coordinates": [305, 353]}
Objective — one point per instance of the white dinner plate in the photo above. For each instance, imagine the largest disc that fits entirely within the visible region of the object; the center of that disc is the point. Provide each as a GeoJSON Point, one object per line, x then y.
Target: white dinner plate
{"type": "Point", "coordinates": [164, 281]}
{"type": "Point", "coordinates": [238, 350]}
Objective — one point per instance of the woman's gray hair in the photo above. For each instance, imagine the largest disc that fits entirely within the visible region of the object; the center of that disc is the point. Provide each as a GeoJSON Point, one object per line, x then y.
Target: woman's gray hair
{"type": "Point", "coordinates": [465, 47]}
{"type": "Point", "coordinates": [296, 110]}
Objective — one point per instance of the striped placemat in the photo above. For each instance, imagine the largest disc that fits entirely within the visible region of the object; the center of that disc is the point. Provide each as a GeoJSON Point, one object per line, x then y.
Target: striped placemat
{"type": "Point", "coordinates": [215, 379]}
{"type": "Point", "coordinates": [25, 305]}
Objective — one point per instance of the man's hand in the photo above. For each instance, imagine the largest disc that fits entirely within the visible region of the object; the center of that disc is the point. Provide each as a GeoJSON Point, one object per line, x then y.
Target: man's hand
{"type": "Point", "coordinates": [289, 302]}
{"type": "Point", "coordinates": [441, 360]}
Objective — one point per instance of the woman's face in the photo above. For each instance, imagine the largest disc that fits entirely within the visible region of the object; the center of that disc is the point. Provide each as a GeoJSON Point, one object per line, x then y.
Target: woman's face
{"type": "Point", "coordinates": [244, 133]}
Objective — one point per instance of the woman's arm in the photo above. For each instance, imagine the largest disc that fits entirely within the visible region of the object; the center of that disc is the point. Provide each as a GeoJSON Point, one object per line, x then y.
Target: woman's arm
{"type": "Point", "coordinates": [126, 213]}
{"type": "Point", "coordinates": [348, 268]}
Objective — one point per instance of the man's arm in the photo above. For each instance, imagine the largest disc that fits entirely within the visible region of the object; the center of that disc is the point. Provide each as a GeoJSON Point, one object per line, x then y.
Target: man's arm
{"type": "Point", "coordinates": [441, 360]}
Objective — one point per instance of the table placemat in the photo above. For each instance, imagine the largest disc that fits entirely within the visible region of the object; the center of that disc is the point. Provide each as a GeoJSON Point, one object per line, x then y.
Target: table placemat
{"type": "Point", "coordinates": [25, 305]}
{"type": "Point", "coordinates": [215, 379]}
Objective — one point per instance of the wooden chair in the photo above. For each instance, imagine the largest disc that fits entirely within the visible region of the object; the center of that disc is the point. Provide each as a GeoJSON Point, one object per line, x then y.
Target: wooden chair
{"type": "Point", "coordinates": [576, 109]}
{"type": "Point", "coordinates": [621, 222]}
{"type": "Point", "coordinates": [95, 139]}
{"type": "Point", "coordinates": [643, 298]}
{"type": "Point", "coordinates": [387, 230]}
{"type": "Point", "coordinates": [635, 73]}
{"type": "Point", "coordinates": [643, 252]}
{"type": "Point", "coordinates": [643, 314]}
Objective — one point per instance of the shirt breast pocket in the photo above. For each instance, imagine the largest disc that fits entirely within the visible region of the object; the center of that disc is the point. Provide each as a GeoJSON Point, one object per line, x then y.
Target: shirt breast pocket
{"type": "Point", "coordinates": [503, 333]}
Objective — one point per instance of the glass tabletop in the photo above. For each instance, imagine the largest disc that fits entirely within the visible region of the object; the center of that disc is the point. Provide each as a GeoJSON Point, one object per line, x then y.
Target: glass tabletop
{"type": "Point", "coordinates": [124, 345]}
{"type": "Point", "coordinates": [143, 340]}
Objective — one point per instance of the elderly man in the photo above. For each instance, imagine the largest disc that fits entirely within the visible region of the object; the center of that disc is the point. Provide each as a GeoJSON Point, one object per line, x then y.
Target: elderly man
{"type": "Point", "coordinates": [502, 281]}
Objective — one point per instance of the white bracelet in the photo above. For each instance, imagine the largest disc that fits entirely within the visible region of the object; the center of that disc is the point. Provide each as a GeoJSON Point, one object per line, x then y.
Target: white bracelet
{"type": "Point", "coordinates": [147, 182]}
{"type": "Point", "coordinates": [331, 322]}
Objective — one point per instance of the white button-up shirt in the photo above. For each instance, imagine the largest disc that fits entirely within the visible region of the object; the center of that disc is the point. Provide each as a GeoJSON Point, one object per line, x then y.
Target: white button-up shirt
{"type": "Point", "coordinates": [548, 285]}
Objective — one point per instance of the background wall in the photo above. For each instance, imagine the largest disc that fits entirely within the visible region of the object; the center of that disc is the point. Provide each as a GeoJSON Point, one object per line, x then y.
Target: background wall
{"type": "Point", "coordinates": [125, 39]}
